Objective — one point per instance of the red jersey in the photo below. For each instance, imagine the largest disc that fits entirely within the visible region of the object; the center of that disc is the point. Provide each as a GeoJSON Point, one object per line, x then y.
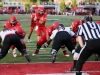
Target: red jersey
{"type": "Point", "coordinates": [8, 24]}
{"type": "Point", "coordinates": [32, 19]}
{"type": "Point", "coordinates": [49, 30]}
{"type": "Point", "coordinates": [41, 17]}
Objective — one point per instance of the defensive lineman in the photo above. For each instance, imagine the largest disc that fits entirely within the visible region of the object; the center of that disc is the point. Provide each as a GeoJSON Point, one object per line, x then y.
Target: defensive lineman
{"type": "Point", "coordinates": [9, 38]}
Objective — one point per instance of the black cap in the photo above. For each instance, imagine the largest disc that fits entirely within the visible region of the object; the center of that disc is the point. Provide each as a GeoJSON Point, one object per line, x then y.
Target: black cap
{"type": "Point", "coordinates": [87, 18]}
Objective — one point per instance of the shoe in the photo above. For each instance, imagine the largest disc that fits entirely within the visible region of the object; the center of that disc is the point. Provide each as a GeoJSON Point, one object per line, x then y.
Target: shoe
{"type": "Point", "coordinates": [14, 54]}
{"type": "Point", "coordinates": [41, 48]}
{"type": "Point", "coordinates": [29, 40]}
{"type": "Point", "coordinates": [21, 54]}
{"type": "Point", "coordinates": [35, 53]}
{"type": "Point", "coordinates": [72, 69]}
{"type": "Point", "coordinates": [53, 58]}
{"type": "Point", "coordinates": [27, 49]}
{"type": "Point", "coordinates": [96, 57]}
{"type": "Point", "coordinates": [27, 57]}
{"type": "Point", "coordinates": [66, 54]}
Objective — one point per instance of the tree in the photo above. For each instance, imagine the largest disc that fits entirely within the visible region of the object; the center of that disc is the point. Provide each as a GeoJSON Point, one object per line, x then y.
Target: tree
{"type": "Point", "coordinates": [50, 1]}
{"type": "Point", "coordinates": [87, 0]}
{"type": "Point", "coordinates": [74, 4]}
{"type": "Point", "coordinates": [38, 1]}
{"type": "Point", "coordinates": [97, 0]}
{"type": "Point", "coordinates": [62, 6]}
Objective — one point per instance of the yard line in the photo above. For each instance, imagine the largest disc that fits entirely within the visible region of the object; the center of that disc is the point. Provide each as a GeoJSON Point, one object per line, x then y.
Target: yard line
{"type": "Point", "coordinates": [44, 55]}
{"type": "Point", "coordinates": [45, 58]}
{"type": "Point", "coordinates": [48, 62]}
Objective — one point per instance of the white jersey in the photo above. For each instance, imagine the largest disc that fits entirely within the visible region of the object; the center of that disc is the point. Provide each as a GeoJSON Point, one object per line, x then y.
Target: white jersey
{"type": "Point", "coordinates": [6, 32]}
{"type": "Point", "coordinates": [67, 29]}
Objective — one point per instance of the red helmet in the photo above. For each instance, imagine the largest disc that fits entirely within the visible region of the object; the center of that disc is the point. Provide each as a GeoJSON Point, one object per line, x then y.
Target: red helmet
{"type": "Point", "coordinates": [41, 10]}
{"type": "Point", "coordinates": [75, 25]}
{"type": "Point", "coordinates": [55, 25]}
{"type": "Point", "coordinates": [13, 20]}
{"type": "Point", "coordinates": [19, 30]}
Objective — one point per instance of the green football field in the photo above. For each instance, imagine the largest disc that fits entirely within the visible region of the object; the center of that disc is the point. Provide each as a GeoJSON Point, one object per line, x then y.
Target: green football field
{"type": "Point", "coordinates": [44, 54]}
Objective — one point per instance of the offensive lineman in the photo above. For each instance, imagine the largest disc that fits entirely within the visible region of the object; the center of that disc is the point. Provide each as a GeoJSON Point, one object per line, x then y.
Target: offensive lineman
{"type": "Point", "coordinates": [9, 37]}
{"type": "Point", "coordinates": [62, 36]}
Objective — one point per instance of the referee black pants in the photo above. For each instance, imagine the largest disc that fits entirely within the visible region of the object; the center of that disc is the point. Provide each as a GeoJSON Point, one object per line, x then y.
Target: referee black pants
{"type": "Point", "coordinates": [90, 47]}
{"type": "Point", "coordinates": [63, 38]}
{"type": "Point", "coordinates": [8, 42]}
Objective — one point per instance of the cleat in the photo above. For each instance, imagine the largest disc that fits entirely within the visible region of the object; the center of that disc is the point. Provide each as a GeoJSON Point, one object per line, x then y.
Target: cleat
{"type": "Point", "coordinates": [14, 54]}
{"type": "Point", "coordinates": [72, 69]}
{"type": "Point", "coordinates": [27, 49]}
{"type": "Point", "coordinates": [21, 54]}
{"type": "Point", "coordinates": [96, 57]}
{"type": "Point", "coordinates": [41, 48]}
{"type": "Point", "coordinates": [27, 57]}
{"type": "Point", "coordinates": [35, 53]}
{"type": "Point", "coordinates": [66, 54]}
{"type": "Point", "coordinates": [53, 58]}
{"type": "Point", "coordinates": [29, 40]}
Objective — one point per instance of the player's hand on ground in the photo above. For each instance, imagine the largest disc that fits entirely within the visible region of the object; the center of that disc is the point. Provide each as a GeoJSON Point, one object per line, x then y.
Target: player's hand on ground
{"type": "Point", "coordinates": [46, 45]}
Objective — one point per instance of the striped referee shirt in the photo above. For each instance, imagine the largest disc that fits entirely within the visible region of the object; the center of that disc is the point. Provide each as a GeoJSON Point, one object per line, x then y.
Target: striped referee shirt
{"type": "Point", "coordinates": [89, 30]}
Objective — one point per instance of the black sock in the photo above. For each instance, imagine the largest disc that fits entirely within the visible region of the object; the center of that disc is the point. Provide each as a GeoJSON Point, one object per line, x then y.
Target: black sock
{"type": "Point", "coordinates": [74, 63]}
{"type": "Point", "coordinates": [28, 37]}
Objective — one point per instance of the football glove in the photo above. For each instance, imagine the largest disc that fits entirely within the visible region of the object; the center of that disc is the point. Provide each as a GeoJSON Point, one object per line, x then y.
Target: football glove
{"type": "Point", "coordinates": [46, 45]}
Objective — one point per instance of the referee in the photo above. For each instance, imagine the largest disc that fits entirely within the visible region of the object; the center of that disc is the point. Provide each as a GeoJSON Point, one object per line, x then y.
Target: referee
{"type": "Point", "coordinates": [91, 33]}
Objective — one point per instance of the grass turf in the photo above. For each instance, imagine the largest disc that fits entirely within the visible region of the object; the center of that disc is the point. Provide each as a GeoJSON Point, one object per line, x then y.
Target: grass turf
{"type": "Point", "coordinates": [44, 55]}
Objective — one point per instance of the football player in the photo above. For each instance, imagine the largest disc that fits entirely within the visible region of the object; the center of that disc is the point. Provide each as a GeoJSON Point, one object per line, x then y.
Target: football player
{"type": "Point", "coordinates": [9, 38]}
{"type": "Point", "coordinates": [12, 22]}
{"type": "Point", "coordinates": [32, 26]}
{"type": "Point", "coordinates": [46, 36]}
{"type": "Point", "coordinates": [40, 19]}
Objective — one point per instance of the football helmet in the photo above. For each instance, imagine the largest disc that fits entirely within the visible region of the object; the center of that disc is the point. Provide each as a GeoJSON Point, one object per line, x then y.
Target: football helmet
{"type": "Point", "coordinates": [55, 25]}
{"type": "Point", "coordinates": [13, 20]}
